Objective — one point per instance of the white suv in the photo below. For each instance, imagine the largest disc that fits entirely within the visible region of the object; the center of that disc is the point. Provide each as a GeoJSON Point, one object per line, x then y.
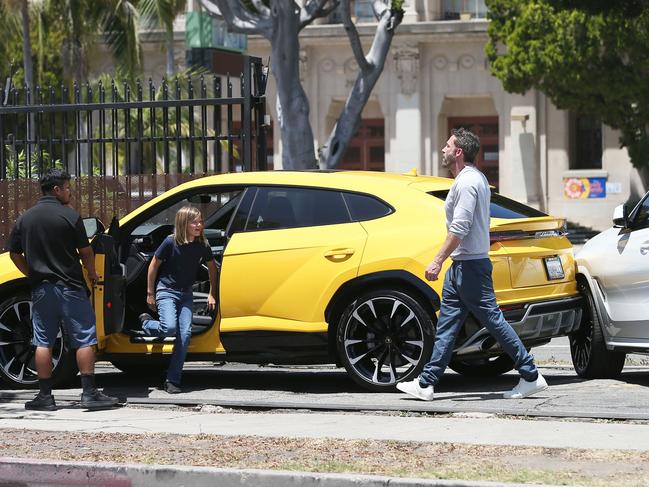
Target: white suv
{"type": "Point", "coordinates": [613, 274]}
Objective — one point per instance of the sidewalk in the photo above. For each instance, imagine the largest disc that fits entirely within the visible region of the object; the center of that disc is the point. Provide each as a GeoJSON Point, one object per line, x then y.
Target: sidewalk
{"type": "Point", "coordinates": [256, 429]}
{"type": "Point", "coordinates": [470, 428]}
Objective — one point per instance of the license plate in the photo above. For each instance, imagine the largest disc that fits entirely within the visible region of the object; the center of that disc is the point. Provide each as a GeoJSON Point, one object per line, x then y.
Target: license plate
{"type": "Point", "coordinates": [554, 268]}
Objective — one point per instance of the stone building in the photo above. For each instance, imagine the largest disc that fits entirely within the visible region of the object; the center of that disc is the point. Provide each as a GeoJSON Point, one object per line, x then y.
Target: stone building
{"type": "Point", "coordinates": [436, 78]}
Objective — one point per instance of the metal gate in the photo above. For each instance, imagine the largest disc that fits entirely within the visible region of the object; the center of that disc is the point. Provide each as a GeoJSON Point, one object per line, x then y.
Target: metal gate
{"type": "Point", "coordinates": [123, 145]}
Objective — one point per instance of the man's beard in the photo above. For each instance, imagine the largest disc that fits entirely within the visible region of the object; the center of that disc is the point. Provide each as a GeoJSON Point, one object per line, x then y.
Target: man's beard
{"type": "Point", "coordinates": [447, 160]}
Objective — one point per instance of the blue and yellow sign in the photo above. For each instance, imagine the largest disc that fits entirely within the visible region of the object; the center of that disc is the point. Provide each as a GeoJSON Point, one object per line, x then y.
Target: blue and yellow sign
{"type": "Point", "coordinates": [583, 188]}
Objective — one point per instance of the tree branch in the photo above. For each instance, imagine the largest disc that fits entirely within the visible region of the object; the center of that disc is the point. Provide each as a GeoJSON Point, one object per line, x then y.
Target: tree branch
{"type": "Point", "coordinates": [389, 21]}
{"type": "Point", "coordinates": [263, 10]}
{"type": "Point", "coordinates": [314, 9]}
{"type": "Point", "coordinates": [354, 38]}
{"type": "Point", "coordinates": [379, 7]}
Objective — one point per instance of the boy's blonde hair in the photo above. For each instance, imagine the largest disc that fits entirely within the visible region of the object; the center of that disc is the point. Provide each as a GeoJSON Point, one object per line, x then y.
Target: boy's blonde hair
{"type": "Point", "coordinates": [186, 215]}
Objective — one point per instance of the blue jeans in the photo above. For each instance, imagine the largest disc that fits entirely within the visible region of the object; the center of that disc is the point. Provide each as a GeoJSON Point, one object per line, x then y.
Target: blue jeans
{"type": "Point", "coordinates": [175, 311]}
{"type": "Point", "coordinates": [468, 287]}
{"type": "Point", "coordinates": [56, 304]}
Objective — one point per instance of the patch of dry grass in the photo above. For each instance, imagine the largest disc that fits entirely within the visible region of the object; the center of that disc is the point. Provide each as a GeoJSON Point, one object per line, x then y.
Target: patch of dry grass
{"type": "Point", "coordinates": [394, 458]}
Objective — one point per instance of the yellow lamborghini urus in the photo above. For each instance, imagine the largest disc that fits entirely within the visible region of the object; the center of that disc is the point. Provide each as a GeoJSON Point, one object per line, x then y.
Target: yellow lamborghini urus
{"type": "Point", "coordinates": [315, 267]}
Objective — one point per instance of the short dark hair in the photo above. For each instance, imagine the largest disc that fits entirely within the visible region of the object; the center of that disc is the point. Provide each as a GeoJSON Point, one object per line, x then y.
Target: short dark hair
{"type": "Point", "coordinates": [468, 142]}
{"type": "Point", "coordinates": [53, 177]}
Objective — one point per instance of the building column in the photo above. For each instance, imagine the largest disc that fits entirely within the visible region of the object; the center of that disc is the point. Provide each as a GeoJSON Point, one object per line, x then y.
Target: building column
{"type": "Point", "coordinates": [410, 11]}
{"type": "Point", "coordinates": [521, 180]}
{"type": "Point", "coordinates": [405, 147]}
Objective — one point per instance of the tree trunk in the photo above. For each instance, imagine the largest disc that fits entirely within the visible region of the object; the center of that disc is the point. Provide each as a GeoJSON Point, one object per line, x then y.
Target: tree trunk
{"type": "Point", "coordinates": [27, 45]}
{"type": "Point", "coordinates": [293, 106]}
{"type": "Point", "coordinates": [348, 122]}
{"type": "Point", "coordinates": [169, 44]}
{"type": "Point", "coordinates": [334, 149]}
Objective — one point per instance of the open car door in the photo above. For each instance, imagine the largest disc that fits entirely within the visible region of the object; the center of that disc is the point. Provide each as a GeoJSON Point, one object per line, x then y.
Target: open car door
{"type": "Point", "coordinates": [108, 296]}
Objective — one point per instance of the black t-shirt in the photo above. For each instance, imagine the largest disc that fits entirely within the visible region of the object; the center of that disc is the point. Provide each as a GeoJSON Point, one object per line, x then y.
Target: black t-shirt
{"type": "Point", "coordinates": [180, 263]}
{"type": "Point", "coordinates": [49, 234]}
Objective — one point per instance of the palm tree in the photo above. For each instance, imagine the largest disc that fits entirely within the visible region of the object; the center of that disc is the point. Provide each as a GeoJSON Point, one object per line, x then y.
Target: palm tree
{"type": "Point", "coordinates": [11, 8]}
{"type": "Point", "coordinates": [162, 13]}
{"type": "Point", "coordinates": [117, 20]}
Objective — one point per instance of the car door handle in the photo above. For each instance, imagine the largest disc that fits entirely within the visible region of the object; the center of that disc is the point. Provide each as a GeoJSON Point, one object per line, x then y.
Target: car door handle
{"type": "Point", "coordinates": [644, 249]}
{"type": "Point", "coordinates": [339, 253]}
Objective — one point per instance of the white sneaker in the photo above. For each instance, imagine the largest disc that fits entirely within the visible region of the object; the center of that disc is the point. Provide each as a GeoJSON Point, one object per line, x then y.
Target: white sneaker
{"type": "Point", "coordinates": [526, 388]}
{"type": "Point", "coordinates": [414, 389]}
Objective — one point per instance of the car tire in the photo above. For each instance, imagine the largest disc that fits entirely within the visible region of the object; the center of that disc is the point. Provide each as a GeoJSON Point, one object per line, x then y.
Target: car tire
{"type": "Point", "coordinates": [383, 337]}
{"type": "Point", "coordinates": [590, 357]}
{"type": "Point", "coordinates": [483, 367]}
{"type": "Point", "coordinates": [17, 361]}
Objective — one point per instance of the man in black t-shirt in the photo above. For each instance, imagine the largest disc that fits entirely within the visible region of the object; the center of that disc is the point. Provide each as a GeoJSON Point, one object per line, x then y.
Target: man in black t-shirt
{"type": "Point", "coordinates": [46, 244]}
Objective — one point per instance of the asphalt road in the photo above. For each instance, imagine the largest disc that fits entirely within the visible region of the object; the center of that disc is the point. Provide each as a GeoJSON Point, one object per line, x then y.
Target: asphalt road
{"type": "Point", "coordinates": [329, 388]}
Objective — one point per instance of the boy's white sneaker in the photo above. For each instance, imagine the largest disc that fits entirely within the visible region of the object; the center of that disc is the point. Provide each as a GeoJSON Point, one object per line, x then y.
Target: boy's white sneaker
{"type": "Point", "coordinates": [526, 388]}
{"type": "Point", "coordinates": [414, 389]}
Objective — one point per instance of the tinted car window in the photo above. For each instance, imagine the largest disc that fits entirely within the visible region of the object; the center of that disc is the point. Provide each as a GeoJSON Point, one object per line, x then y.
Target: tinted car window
{"type": "Point", "coordinates": [276, 207]}
{"type": "Point", "coordinates": [502, 207]}
{"type": "Point", "coordinates": [364, 207]}
{"type": "Point", "coordinates": [641, 218]}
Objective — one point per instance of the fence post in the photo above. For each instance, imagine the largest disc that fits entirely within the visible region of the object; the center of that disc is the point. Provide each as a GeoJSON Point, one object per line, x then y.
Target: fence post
{"type": "Point", "coordinates": [246, 132]}
{"type": "Point", "coordinates": [3, 162]}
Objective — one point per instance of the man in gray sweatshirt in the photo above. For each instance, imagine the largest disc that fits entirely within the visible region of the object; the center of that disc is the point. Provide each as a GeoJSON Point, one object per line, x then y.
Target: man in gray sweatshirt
{"type": "Point", "coordinates": [468, 286]}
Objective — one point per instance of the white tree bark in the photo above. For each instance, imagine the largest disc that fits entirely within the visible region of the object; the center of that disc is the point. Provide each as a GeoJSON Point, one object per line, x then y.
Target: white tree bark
{"type": "Point", "coordinates": [281, 24]}
{"type": "Point", "coordinates": [370, 68]}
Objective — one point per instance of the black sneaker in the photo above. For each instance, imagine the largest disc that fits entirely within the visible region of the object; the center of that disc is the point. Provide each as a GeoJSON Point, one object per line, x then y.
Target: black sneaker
{"type": "Point", "coordinates": [171, 388]}
{"type": "Point", "coordinates": [42, 402]}
{"type": "Point", "coordinates": [95, 399]}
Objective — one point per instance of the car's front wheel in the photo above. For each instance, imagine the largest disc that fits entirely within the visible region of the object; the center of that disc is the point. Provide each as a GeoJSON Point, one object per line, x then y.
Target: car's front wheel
{"type": "Point", "coordinates": [590, 357]}
{"type": "Point", "coordinates": [17, 363]}
{"type": "Point", "coordinates": [384, 337]}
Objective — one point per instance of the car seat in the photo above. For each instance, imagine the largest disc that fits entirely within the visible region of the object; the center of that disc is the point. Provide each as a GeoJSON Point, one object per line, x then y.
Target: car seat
{"type": "Point", "coordinates": [277, 214]}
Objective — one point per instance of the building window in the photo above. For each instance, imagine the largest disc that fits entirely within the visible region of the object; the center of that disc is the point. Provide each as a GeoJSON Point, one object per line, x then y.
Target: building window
{"type": "Point", "coordinates": [464, 9]}
{"type": "Point", "coordinates": [363, 11]}
{"type": "Point", "coordinates": [586, 142]}
{"type": "Point", "coordinates": [366, 150]}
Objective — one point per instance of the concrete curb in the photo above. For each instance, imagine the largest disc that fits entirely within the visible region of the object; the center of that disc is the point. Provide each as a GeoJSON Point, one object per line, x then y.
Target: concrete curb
{"type": "Point", "coordinates": [18, 472]}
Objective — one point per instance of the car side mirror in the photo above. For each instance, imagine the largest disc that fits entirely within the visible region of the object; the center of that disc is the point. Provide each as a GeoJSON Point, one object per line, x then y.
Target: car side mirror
{"type": "Point", "coordinates": [621, 216]}
{"type": "Point", "coordinates": [93, 226]}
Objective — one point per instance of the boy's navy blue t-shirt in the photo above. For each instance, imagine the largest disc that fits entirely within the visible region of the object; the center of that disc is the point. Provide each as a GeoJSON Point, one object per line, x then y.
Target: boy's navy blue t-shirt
{"type": "Point", "coordinates": [180, 263]}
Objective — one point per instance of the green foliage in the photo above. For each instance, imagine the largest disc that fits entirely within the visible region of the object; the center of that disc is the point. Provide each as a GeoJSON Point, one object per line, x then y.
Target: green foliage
{"type": "Point", "coordinates": [396, 5]}
{"type": "Point", "coordinates": [17, 162]}
{"type": "Point", "coordinates": [47, 35]}
{"type": "Point", "coordinates": [589, 56]}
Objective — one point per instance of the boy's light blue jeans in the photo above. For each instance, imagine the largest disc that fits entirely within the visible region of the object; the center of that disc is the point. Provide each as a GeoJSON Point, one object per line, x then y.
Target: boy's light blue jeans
{"type": "Point", "coordinates": [175, 311]}
{"type": "Point", "coordinates": [468, 287]}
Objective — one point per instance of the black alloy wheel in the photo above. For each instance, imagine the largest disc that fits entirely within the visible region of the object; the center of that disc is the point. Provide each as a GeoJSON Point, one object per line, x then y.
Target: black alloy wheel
{"type": "Point", "coordinates": [384, 337]}
{"type": "Point", "coordinates": [590, 357]}
{"type": "Point", "coordinates": [17, 354]}
{"type": "Point", "coordinates": [483, 367]}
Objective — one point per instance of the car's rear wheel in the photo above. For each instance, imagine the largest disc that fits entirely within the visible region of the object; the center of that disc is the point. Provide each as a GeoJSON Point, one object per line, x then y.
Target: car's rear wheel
{"type": "Point", "coordinates": [483, 367]}
{"type": "Point", "coordinates": [384, 337]}
{"type": "Point", "coordinates": [17, 362]}
{"type": "Point", "coordinates": [590, 357]}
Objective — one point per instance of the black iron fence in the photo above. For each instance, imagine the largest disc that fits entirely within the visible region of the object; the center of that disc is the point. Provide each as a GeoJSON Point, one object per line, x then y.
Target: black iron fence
{"type": "Point", "coordinates": [115, 129]}
{"type": "Point", "coordinates": [125, 144]}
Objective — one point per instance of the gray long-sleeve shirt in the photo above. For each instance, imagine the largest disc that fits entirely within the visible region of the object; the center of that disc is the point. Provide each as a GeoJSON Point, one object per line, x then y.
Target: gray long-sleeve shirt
{"type": "Point", "coordinates": [467, 214]}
